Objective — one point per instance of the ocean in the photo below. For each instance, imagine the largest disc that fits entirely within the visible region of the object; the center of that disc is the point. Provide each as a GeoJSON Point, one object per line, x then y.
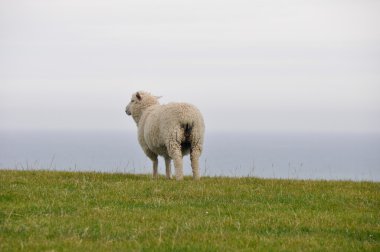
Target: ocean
{"type": "Point", "coordinates": [233, 154]}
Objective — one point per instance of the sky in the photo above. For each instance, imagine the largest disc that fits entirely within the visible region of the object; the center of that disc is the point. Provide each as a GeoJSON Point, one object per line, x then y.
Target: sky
{"type": "Point", "coordinates": [279, 66]}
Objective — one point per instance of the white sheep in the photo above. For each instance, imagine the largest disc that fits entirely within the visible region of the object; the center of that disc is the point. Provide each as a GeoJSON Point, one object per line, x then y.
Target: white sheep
{"type": "Point", "coordinates": [170, 130]}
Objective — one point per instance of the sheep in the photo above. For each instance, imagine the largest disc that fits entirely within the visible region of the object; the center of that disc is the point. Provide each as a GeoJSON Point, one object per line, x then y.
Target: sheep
{"type": "Point", "coordinates": [171, 130]}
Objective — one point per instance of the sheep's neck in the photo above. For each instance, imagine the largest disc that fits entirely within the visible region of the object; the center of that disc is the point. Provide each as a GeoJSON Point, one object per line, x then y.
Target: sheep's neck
{"type": "Point", "coordinates": [138, 114]}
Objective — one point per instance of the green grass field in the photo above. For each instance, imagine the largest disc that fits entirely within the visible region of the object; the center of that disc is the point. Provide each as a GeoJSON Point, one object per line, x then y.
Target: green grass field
{"type": "Point", "coordinates": [72, 211]}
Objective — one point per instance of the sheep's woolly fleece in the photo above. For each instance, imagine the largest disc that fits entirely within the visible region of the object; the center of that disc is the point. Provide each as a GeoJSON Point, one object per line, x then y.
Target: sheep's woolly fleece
{"type": "Point", "coordinates": [170, 130]}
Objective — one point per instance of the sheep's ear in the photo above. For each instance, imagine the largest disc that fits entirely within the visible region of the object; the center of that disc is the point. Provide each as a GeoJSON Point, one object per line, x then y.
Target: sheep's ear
{"type": "Point", "coordinates": [138, 96]}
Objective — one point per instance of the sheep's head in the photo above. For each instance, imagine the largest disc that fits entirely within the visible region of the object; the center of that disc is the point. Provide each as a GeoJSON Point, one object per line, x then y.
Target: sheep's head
{"type": "Point", "coordinates": [139, 102]}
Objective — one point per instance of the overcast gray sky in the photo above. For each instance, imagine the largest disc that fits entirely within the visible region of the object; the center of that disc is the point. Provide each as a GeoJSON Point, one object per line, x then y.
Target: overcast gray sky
{"type": "Point", "coordinates": [248, 65]}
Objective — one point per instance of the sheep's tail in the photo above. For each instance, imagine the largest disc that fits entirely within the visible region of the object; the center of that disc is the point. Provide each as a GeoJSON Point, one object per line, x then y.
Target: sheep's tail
{"type": "Point", "coordinates": [190, 137]}
{"type": "Point", "coordinates": [187, 129]}
{"type": "Point", "coordinates": [192, 134]}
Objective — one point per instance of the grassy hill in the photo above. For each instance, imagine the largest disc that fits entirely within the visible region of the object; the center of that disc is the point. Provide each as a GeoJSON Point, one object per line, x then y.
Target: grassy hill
{"type": "Point", "coordinates": [72, 211]}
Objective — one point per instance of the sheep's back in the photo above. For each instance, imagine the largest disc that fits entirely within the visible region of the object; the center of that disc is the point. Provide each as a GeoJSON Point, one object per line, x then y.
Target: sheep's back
{"type": "Point", "coordinates": [165, 122]}
{"type": "Point", "coordinates": [174, 115]}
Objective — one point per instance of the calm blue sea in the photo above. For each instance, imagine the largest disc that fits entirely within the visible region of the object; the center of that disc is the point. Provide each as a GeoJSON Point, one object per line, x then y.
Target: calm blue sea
{"type": "Point", "coordinates": [267, 155]}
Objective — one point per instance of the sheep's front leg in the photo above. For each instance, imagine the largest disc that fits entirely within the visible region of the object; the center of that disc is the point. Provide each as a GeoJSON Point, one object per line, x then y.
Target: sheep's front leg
{"type": "Point", "coordinates": [154, 159]}
{"type": "Point", "coordinates": [168, 168]}
{"type": "Point", "coordinates": [155, 168]}
{"type": "Point", "coordinates": [194, 157]}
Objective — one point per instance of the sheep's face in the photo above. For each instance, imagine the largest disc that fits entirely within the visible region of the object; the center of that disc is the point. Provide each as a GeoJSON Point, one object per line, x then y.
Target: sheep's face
{"type": "Point", "coordinates": [136, 98]}
{"type": "Point", "coordinates": [134, 103]}
{"type": "Point", "coordinates": [139, 102]}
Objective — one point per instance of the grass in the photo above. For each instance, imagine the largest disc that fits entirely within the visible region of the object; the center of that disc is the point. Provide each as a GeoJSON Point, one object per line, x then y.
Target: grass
{"type": "Point", "coordinates": [72, 211]}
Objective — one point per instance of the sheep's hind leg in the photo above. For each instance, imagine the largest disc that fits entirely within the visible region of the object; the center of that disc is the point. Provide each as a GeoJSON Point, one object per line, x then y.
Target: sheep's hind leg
{"type": "Point", "coordinates": [194, 157]}
{"type": "Point", "coordinates": [175, 153]}
{"type": "Point", "coordinates": [178, 164]}
{"type": "Point", "coordinates": [168, 168]}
